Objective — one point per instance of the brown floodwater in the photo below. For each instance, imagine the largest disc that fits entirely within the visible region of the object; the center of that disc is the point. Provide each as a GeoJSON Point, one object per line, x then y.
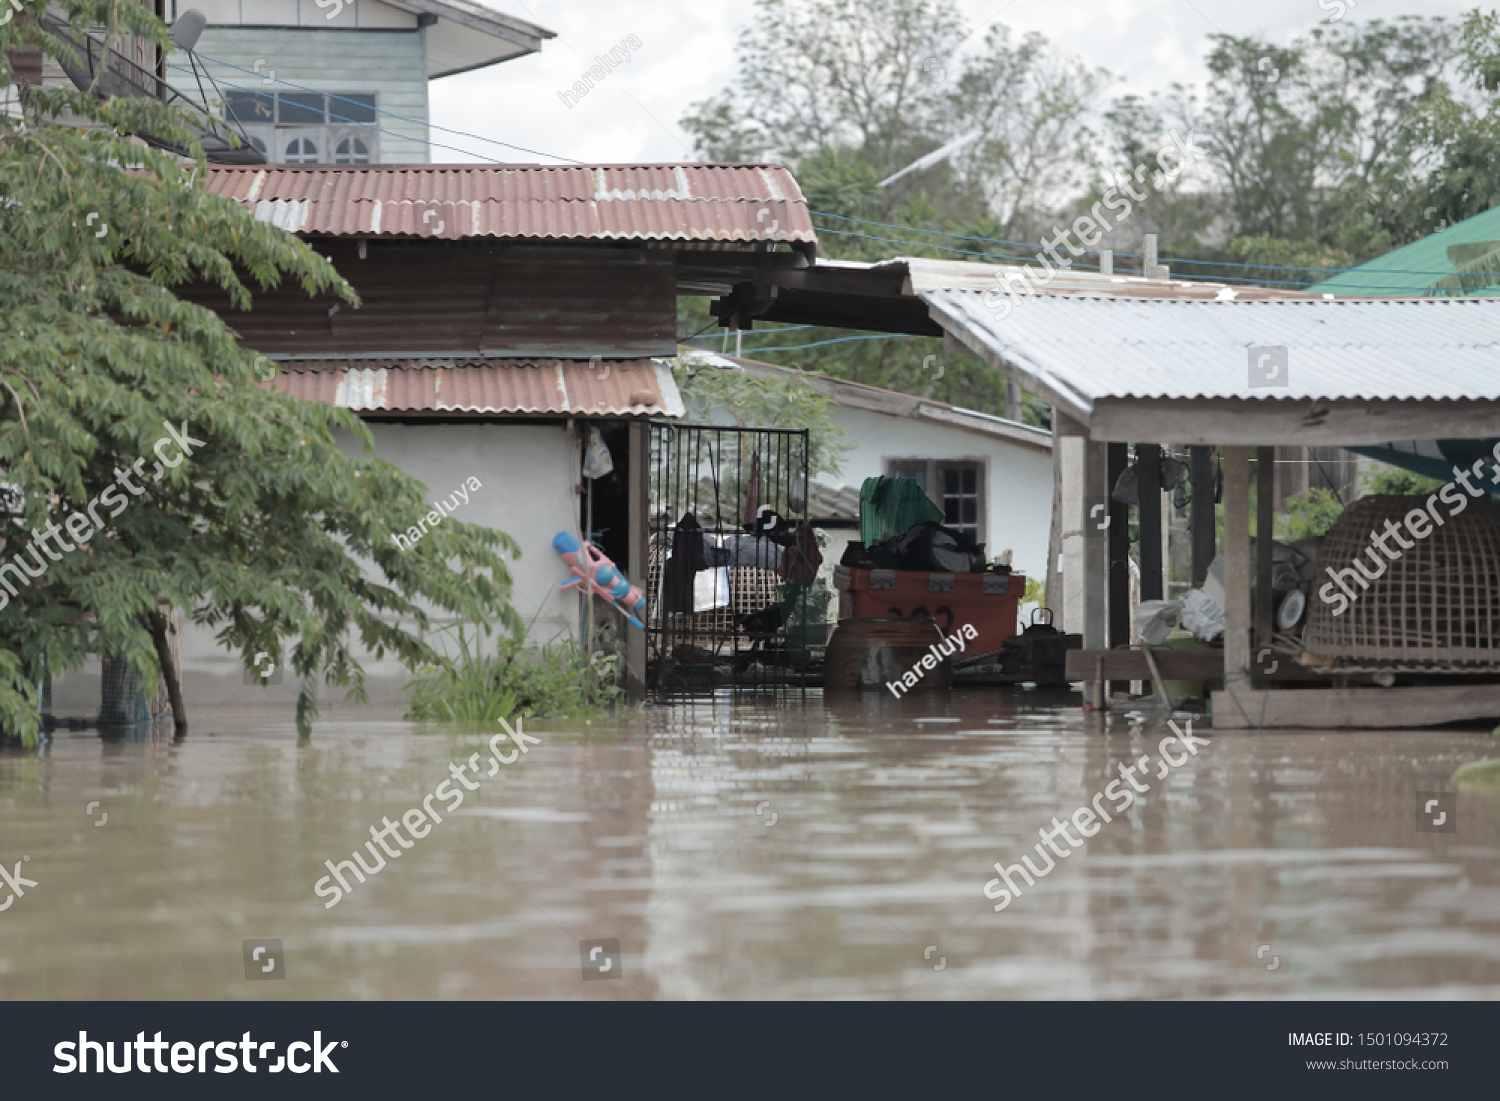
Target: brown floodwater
{"type": "Point", "coordinates": [746, 846]}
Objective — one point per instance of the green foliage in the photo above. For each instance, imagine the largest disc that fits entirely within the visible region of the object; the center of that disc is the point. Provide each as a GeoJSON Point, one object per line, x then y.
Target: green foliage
{"type": "Point", "coordinates": [1344, 143]}
{"type": "Point", "coordinates": [764, 403]}
{"type": "Point", "coordinates": [1312, 513]}
{"type": "Point", "coordinates": [1482, 777]}
{"type": "Point", "coordinates": [1397, 482]}
{"type": "Point", "coordinates": [264, 531]}
{"type": "Point", "coordinates": [852, 91]}
{"type": "Point", "coordinates": [478, 688]}
{"type": "Point", "coordinates": [1474, 268]}
{"type": "Point", "coordinates": [1309, 515]}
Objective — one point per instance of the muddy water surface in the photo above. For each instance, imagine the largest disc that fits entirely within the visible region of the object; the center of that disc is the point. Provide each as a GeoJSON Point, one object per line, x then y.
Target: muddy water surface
{"type": "Point", "coordinates": [751, 847]}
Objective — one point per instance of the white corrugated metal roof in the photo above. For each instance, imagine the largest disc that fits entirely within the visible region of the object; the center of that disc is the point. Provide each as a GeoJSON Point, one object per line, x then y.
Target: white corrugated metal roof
{"type": "Point", "coordinates": [1080, 349]}
{"type": "Point", "coordinates": [924, 275]}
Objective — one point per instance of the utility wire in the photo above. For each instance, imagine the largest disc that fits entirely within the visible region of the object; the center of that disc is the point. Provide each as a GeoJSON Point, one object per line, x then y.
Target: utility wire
{"type": "Point", "coordinates": [819, 213]}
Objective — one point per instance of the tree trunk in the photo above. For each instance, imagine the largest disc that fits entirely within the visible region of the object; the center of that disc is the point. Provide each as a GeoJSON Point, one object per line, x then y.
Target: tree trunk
{"type": "Point", "coordinates": [169, 671]}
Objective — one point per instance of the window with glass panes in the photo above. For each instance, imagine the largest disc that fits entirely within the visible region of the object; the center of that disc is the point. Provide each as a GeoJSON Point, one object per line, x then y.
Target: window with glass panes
{"type": "Point", "coordinates": [308, 127]}
{"type": "Point", "coordinates": [955, 486]}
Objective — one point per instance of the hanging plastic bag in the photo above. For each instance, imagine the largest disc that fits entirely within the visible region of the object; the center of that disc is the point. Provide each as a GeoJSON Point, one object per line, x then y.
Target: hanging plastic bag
{"type": "Point", "coordinates": [596, 460]}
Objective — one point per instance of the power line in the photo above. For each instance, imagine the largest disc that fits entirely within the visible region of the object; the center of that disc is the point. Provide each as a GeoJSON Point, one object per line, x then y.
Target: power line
{"type": "Point", "coordinates": [825, 214]}
{"type": "Point", "coordinates": [392, 114]}
{"type": "Point", "coordinates": [762, 332]}
{"type": "Point", "coordinates": [1126, 255]}
{"type": "Point", "coordinates": [821, 343]}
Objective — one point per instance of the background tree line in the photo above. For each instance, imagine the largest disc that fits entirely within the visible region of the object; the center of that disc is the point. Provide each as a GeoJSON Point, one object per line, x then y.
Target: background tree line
{"type": "Point", "coordinates": [1318, 155]}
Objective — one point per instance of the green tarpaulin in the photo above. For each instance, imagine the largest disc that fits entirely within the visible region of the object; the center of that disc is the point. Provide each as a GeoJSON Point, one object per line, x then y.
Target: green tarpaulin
{"type": "Point", "coordinates": [893, 504]}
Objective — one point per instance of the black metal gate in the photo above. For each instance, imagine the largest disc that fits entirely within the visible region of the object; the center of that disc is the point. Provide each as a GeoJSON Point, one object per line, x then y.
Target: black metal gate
{"type": "Point", "coordinates": [732, 559]}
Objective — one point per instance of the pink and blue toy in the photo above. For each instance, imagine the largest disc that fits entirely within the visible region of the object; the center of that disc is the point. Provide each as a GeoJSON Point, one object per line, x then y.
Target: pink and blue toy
{"type": "Point", "coordinates": [592, 567]}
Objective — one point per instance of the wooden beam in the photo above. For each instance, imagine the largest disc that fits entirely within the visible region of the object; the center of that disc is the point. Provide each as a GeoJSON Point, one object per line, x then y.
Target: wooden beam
{"type": "Point", "coordinates": [1070, 456]}
{"type": "Point", "coordinates": [1117, 556]}
{"type": "Point", "coordinates": [639, 453]}
{"type": "Point", "coordinates": [1054, 594]}
{"type": "Point", "coordinates": [1247, 423]}
{"type": "Point", "coordinates": [1095, 524]}
{"type": "Point", "coordinates": [1265, 504]}
{"type": "Point", "coordinates": [1201, 520]}
{"type": "Point", "coordinates": [1148, 487]}
{"type": "Point", "coordinates": [1206, 664]}
{"type": "Point", "coordinates": [1236, 567]}
{"type": "Point", "coordinates": [1354, 708]}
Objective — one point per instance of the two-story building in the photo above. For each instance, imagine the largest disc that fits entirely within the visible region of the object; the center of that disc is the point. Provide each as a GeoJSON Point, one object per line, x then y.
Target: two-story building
{"type": "Point", "coordinates": [307, 81]}
{"type": "Point", "coordinates": [306, 78]}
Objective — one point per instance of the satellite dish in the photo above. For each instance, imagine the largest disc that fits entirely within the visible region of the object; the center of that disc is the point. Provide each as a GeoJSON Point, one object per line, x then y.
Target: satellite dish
{"type": "Point", "coordinates": [92, 66]}
{"type": "Point", "coordinates": [188, 27]}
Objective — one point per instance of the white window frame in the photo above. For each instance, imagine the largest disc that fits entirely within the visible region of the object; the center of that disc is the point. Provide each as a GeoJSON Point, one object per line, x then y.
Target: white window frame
{"type": "Point", "coordinates": [932, 472]}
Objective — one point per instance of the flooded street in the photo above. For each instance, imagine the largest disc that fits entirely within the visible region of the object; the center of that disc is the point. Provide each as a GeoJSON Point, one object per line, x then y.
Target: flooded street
{"type": "Point", "coordinates": [753, 848]}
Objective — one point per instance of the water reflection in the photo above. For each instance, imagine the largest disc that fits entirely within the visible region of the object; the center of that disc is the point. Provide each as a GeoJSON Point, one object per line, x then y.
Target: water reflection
{"type": "Point", "coordinates": [753, 847]}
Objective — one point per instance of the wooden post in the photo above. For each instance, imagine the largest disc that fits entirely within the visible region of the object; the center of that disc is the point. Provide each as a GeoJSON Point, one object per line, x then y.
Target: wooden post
{"type": "Point", "coordinates": [1054, 595]}
{"type": "Point", "coordinates": [1236, 568]}
{"type": "Point", "coordinates": [638, 569]}
{"type": "Point", "coordinates": [1265, 506]}
{"type": "Point", "coordinates": [1072, 611]}
{"type": "Point", "coordinates": [1095, 523]}
{"type": "Point", "coordinates": [1117, 555]}
{"type": "Point", "coordinates": [1148, 488]}
{"type": "Point", "coordinates": [1202, 519]}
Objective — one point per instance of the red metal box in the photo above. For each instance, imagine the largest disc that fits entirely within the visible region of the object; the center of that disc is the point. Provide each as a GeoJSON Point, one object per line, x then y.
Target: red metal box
{"type": "Point", "coordinates": [987, 600]}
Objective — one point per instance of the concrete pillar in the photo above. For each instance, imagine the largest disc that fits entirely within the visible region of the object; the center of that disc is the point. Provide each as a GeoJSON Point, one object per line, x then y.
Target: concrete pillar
{"type": "Point", "coordinates": [1237, 615]}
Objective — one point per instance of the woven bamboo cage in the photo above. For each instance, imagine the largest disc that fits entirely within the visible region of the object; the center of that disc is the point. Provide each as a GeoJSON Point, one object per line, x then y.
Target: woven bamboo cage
{"type": "Point", "coordinates": [1434, 608]}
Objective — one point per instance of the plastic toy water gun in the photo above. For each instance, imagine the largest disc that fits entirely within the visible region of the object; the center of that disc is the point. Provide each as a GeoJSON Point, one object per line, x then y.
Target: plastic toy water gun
{"type": "Point", "coordinates": [591, 567]}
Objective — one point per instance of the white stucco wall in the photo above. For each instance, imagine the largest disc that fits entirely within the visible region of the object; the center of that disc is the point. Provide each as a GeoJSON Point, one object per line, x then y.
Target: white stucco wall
{"type": "Point", "coordinates": [526, 475]}
{"type": "Point", "coordinates": [1017, 480]}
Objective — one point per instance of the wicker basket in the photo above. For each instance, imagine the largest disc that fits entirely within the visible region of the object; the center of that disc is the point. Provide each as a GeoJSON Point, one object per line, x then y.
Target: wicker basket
{"type": "Point", "coordinates": [1436, 608]}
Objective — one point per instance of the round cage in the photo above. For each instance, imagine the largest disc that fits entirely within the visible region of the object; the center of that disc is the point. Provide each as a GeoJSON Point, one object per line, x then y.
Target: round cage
{"type": "Point", "coordinates": [1426, 602]}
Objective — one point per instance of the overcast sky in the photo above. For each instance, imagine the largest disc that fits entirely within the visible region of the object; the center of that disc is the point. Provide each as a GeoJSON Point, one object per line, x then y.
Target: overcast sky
{"type": "Point", "coordinates": [688, 48]}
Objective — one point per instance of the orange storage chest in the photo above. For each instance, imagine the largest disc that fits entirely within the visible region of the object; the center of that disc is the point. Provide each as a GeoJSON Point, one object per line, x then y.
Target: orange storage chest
{"type": "Point", "coordinates": [989, 601]}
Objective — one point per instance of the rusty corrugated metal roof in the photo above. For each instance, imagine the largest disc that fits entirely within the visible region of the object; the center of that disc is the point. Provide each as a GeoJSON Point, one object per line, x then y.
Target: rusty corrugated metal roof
{"type": "Point", "coordinates": [535, 387]}
{"type": "Point", "coordinates": [723, 203]}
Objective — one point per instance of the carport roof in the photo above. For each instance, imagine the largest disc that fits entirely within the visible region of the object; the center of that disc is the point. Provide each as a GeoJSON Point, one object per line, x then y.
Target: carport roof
{"type": "Point", "coordinates": [1358, 371]}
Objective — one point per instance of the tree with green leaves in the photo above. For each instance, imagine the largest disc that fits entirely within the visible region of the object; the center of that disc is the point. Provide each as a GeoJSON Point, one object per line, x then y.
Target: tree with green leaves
{"type": "Point", "coordinates": [709, 392]}
{"type": "Point", "coordinates": [232, 502]}
{"type": "Point", "coordinates": [1312, 149]}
